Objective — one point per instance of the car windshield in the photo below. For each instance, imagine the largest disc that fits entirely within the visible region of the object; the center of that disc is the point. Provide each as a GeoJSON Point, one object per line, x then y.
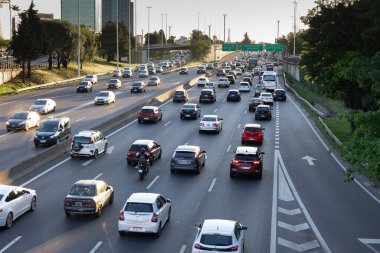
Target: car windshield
{"type": "Point", "coordinates": [153, 78]}
{"type": "Point", "coordinates": [48, 127]}
{"type": "Point", "coordinates": [82, 139]}
{"type": "Point", "coordinates": [136, 84]}
{"type": "Point", "coordinates": [267, 95]}
{"type": "Point", "coordinates": [246, 157]}
{"type": "Point", "coordinates": [89, 76]}
{"type": "Point", "coordinates": [83, 190]}
{"type": "Point", "coordinates": [263, 109]}
{"type": "Point", "coordinates": [216, 239]}
{"type": "Point", "coordinates": [183, 69]}
{"type": "Point", "coordinates": [184, 154]}
{"type": "Point", "coordinates": [269, 78]}
{"type": "Point", "coordinates": [40, 102]}
{"type": "Point", "coordinates": [260, 87]}
{"type": "Point", "coordinates": [103, 94]}
{"type": "Point", "coordinates": [223, 80]}
{"type": "Point", "coordinates": [20, 115]}
{"type": "Point", "coordinates": [243, 84]}
{"type": "Point", "coordinates": [233, 92]}
{"type": "Point", "coordinates": [188, 106]}
{"type": "Point", "coordinates": [138, 207]}
{"type": "Point", "coordinates": [147, 110]}
{"type": "Point", "coordinates": [252, 129]}
{"type": "Point", "coordinates": [179, 92]}
{"type": "Point", "coordinates": [257, 100]}
{"type": "Point", "coordinates": [202, 79]}
{"type": "Point", "coordinates": [206, 92]}
{"type": "Point", "coordinates": [280, 92]}
{"type": "Point", "coordinates": [83, 83]}
{"type": "Point", "coordinates": [113, 81]}
{"type": "Point", "coordinates": [209, 119]}
{"type": "Point", "coordinates": [137, 147]}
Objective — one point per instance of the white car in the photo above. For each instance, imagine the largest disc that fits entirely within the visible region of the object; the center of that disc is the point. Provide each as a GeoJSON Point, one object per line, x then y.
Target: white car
{"type": "Point", "coordinates": [143, 73]}
{"type": "Point", "coordinates": [223, 82]}
{"type": "Point", "coordinates": [154, 80]}
{"type": "Point", "coordinates": [202, 81]}
{"type": "Point", "coordinates": [218, 235]}
{"type": "Point", "coordinates": [116, 73]}
{"type": "Point", "coordinates": [144, 213]}
{"type": "Point", "coordinates": [105, 97]}
{"type": "Point", "coordinates": [114, 84]}
{"type": "Point", "coordinates": [212, 123]}
{"type": "Point", "coordinates": [15, 201]}
{"type": "Point", "coordinates": [238, 71]}
{"type": "Point", "coordinates": [159, 69]}
{"type": "Point", "coordinates": [23, 120]}
{"type": "Point", "coordinates": [244, 86]}
{"type": "Point", "coordinates": [269, 80]}
{"type": "Point", "coordinates": [43, 105]}
{"type": "Point", "coordinates": [88, 143]}
{"type": "Point", "coordinates": [91, 78]}
{"type": "Point", "coordinates": [210, 85]}
{"type": "Point", "coordinates": [267, 98]}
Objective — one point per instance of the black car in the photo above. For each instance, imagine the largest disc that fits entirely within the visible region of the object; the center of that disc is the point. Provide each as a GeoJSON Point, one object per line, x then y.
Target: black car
{"type": "Point", "coordinates": [253, 103]}
{"type": "Point", "coordinates": [183, 71]}
{"type": "Point", "coordinates": [188, 157]}
{"type": "Point", "coordinates": [52, 131]}
{"type": "Point", "coordinates": [231, 78]}
{"type": "Point", "coordinates": [209, 66]}
{"type": "Point", "coordinates": [279, 95]}
{"type": "Point", "coordinates": [233, 95]}
{"type": "Point", "coordinates": [84, 86]}
{"type": "Point", "coordinates": [192, 111]}
{"type": "Point", "coordinates": [207, 95]}
{"type": "Point", "coordinates": [201, 70]}
{"type": "Point", "coordinates": [180, 96]}
{"type": "Point", "coordinates": [263, 112]}
{"type": "Point", "coordinates": [138, 87]}
{"type": "Point", "coordinates": [151, 147]}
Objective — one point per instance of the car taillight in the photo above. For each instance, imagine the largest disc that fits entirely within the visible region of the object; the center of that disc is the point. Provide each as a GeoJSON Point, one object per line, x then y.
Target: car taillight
{"type": "Point", "coordinates": [154, 217]}
{"type": "Point", "coordinates": [130, 153]}
{"type": "Point", "coordinates": [256, 162]}
{"type": "Point", "coordinates": [234, 162]}
{"type": "Point", "coordinates": [234, 248]}
{"type": "Point", "coordinates": [197, 246]}
{"type": "Point", "coordinates": [1, 210]}
{"type": "Point", "coordinates": [269, 112]}
{"type": "Point", "coordinates": [201, 124]}
{"type": "Point", "coordinates": [66, 202]}
{"type": "Point", "coordinates": [121, 215]}
{"type": "Point", "coordinates": [215, 124]}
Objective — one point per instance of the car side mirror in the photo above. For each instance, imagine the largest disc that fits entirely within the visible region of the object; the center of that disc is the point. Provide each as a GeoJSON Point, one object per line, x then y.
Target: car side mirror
{"type": "Point", "coordinates": [199, 226]}
{"type": "Point", "coordinates": [108, 188]}
{"type": "Point", "coordinates": [168, 200]}
{"type": "Point", "coordinates": [60, 130]}
{"type": "Point", "coordinates": [203, 151]}
{"type": "Point", "coordinates": [263, 153]}
{"type": "Point", "coordinates": [221, 118]}
{"type": "Point", "coordinates": [263, 128]}
{"type": "Point", "coordinates": [243, 228]}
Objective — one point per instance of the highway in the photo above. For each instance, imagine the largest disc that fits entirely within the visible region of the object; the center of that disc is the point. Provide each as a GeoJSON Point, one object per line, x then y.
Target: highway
{"type": "Point", "coordinates": [300, 205]}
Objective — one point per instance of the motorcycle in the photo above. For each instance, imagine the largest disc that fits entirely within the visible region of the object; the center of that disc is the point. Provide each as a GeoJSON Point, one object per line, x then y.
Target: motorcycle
{"type": "Point", "coordinates": [142, 169]}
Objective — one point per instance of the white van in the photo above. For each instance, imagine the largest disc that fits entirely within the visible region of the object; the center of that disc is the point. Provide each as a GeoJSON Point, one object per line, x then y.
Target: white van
{"type": "Point", "coordinates": [270, 80]}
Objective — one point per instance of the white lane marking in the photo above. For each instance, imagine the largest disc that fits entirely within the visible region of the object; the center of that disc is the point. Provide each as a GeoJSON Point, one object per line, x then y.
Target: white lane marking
{"type": "Point", "coordinates": [276, 142]}
{"type": "Point", "coordinates": [277, 132]}
{"type": "Point", "coordinates": [183, 248]}
{"type": "Point", "coordinates": [167, 123]}
{"type": "Point", "coordinates": [273, 232]}
{"type": "Point", "coordinates": [121, 128]}
{"type": "Point", "coordinates": [80, 119]}
{"type": "Point", "coordinates": [277, 135]}
{"type": "Point", "coordinates": [100, 174]}
{"type": "Point", "coordinates": [10, 244]}
{"type": "Point", "coordinates": [96, 247]}
{"type": "Point", "coordinates": [31, 139]}
{"type": "Point", "coordinates": [186, 143]}
{"type": "Point", "coordinates": [5, 134]}
{"type": "Point", "coordinates": [212, 184]}
{"type": "Point", "coordinates": [110, 149]}
{"type": "Point", "coordinates": [88, 162]}
{"type": "Point", "coordinates": [216, 109]}
{"type": "Point", "coordinates": [239, 126]}
{"type": "Point", "coordinates": [284, 192]}
{"type": "Point", "coordinates": [277, 147]}
{"type": "Point", "coordinates": [367, 241]}
{"type": "Point", "coordinates": [289, 212]}
{"type": "Point", "coordinates": [224, 100]}
{"type": "Point", "coordinates": [245, 112]}
{"type": "Point", "coordinates": [276, 139]}
{"type": "Point", "coordinates": [298, 247]}
{"type": "Point", "coordinates": [151, 184]}
{"type": "Point", "coordinates": [229, 147]}
{"type": "Point", "coordinates": [46, 171]}
{"type": "Point", "coordinates": [294, 228]}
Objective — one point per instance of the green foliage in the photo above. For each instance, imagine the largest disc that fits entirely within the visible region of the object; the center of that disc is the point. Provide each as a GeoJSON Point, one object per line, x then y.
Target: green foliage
{"type": "Point", "coordinates": [154, 38]}
{"type": "Point", "coordinates": [171, 40]}
{"type": "Point", "coordinates": [246, 39]}
{"type": "Point", "coordinates": [199, 45]}
{"type": "Point", "coordinates": [287, 41]}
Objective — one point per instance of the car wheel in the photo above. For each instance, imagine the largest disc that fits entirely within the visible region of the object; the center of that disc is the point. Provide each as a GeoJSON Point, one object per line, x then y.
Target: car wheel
{"type": "Point", "coordinates": [260, 175]}
{"type": "Point", "coordinates": [33, 204]}
{"type": "Point", "coordinates": [159, 156]}
{"type": "Point", "coordinates": [9, 220]}
{"type": "Point", "coordinates": [105, 148]}
{"type": "Point", "coordinates": [129, 162]}
{"type": "Point", "coordinates": [181, 117]}
{"type": "Point", "coordinates": [158, 233]}
{"type": "Point", "coordinates": [99, 213]}
{"type": "Point", "coordinates": [151, 161]}
{"type": "Point", "coordinates": [36, 144]}
{"type": "Point", "coordinates": [169, 214]}
{"type": "Point", "coordinates": [139, 121]}
{"type": "Point", "coordinates": [95, 154]}
{"type": "Point", "coordinates": [110, 201]}
{"type": "Point", "coordinates": [243, 142]}
{"type": "Point", "coordinates": [121, 233]}
{"type": "Point", "coordinates": [172, 171]}
{"type": "Point", "coordinates": [67, 214]}
{"type": "Point", "coordinates": [54, 109]}
{"type": "Point", "coordinates": [232, 174]}
{"type": "Point", "coordinates": [198, 170]}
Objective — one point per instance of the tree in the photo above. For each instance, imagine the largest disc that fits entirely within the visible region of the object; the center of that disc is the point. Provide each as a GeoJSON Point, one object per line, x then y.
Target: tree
{"type": "Point", "coordinates": [246, 39]}
{"type": "Point", "coordinates": [88, 44]}
{"type": "Point", "coordinates": [171, 40]}
{"type": "Point", "coordinates": [199, 45]}
{"type": "Point", "coordinates": [154, 38]}
{"type": "Point", "coordinates": [27, 43]}
{"type": "Point", "coordinates": [162, 36]}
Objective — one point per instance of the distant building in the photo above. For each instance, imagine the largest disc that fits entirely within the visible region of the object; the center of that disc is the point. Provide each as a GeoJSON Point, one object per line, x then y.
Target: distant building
{"type": "Point", "coordinates": [90, 13]}
{"type": "Point", "coordinates": [139, 39]}
{"type": "Point", "coordinates": [45, 16]}
{"type": "Point", "coordinates": [109, 12]}
{"type": "Point", "coordinates": [182, 40]}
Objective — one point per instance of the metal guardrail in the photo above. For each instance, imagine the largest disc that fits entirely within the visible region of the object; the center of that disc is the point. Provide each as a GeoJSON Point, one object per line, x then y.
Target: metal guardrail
{"type": "Point", "coordinates": [12, 65]}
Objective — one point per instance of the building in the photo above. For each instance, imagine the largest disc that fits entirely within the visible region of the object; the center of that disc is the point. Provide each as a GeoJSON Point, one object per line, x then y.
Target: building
{"type": "Point", "coordinates": [182, 40]}
{"type": "Point", "coordinates": [90, 13]}
{"type": "Point", "coordinates": [109, 12]}
{"type": "Point", "coordinates": [46, 16]}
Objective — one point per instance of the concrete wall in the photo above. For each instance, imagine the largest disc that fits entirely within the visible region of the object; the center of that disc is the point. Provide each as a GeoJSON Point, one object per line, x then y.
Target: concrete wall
{"type": "Point", "coordinates": [291, 66]}
{"type": "Point", "coordinates": [7, 75]}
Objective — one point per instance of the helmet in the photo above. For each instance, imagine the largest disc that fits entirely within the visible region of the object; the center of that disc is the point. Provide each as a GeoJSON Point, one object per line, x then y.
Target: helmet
{"type": "Point", "coordinates": [142, 151]}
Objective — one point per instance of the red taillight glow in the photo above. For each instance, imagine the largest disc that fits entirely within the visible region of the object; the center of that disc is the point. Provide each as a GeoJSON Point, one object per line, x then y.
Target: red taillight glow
{"type": "Point", "coordinates": [131, 153]}
{"type": "Point", "coordinates": [215, 124]}
{"type": "Point", "coordinates": [234, 162]}
{"type": "Point", "coordinates": [197, 246]}
{"type": "Point", "coordinates": [65, 202]}
{"type": "Point", "coordinates": [256, 162]}
{"type": "Point", "coordinates": [154, 217]}
{"type": "Point", "coordinates": [234, 248]}
{"type": "Point", "coordinates": [201, 124]}
{"type": "Point", "coordinates": [121, 215]}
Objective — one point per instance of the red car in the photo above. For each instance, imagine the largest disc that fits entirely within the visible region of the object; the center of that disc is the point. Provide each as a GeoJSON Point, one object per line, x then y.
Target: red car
{"type": "Point", "coordinates": [149, 113]}
{"type": "Point", "coordinates": [252, 133]}
{"type": "Point", "coordinates": [247, 161]}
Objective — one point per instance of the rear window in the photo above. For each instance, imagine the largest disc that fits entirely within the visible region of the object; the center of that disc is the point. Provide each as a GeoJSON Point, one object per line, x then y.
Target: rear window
{"type": "Point", "coordinates": [202, 79]}
{"type": "Point", "coordinates": [136, 84]}
{"type": "Point", "coordinates": [113, 81]}
{"type": "Point", "coordinates": [216, 240]}
{"type": "Point", "coordinates": [233, 92]}
{"type": "Point", "coordinates": [147, 110]}
{"type": "Point", "coordinates": [262, 109]}
{"type": "Point", "coordinates": [260, 87]}
{"type": "Point", "coordinates": [179, 92]}
{"type": "Point", "coordinates": [184, 154]}
{"type": "Point", "coordinates": [269, 78]}
{"type": "Point", "coordinates": [82, 139]}
{"type": "Point", "coordinates": [281, 92]}
{"type": "Point", "coordinates": [208, 119]}
{"type": "Point", "coordinates": [139, 207]}
{"type": "Point", "coordinates": [83, 83]}
{"type": "Point", "coordinates": [246, 157]}
{"type": "Point", "coordinates": [188, 106]}
{"type": "Point", "coordinates": [83, 190]}
{"type": "Point", "coordinates": [154, 78]}
{"type": "Point", "coordinates": [206, 92]}
{"type": "Point", "coordinates": [137, 148]}
{"type": "Point", "coordinates": [252, 129]}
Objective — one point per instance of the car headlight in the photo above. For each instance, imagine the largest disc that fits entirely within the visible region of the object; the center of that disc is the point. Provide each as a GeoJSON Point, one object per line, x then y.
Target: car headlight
{"type": "Point", "coordinates": [35, 136]}
{"type": "Point", "coordinates": [7, 123]}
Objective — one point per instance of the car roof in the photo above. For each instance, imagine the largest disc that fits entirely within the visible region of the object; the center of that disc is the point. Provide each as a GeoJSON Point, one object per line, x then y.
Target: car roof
{"type": "Point", "coordinates": [187, 148]}
{"type": "Point", "coordinates": [207, 90]}
{"type": "Point", "coordinates": [214, 225]}
{"type": "Point", "coordinates": [246, 150]}
{"type": "Point", "coordinates": [266, 93]}
{"type": "Point", "coordinates": [234, 90]}
{"type": "Point", "coordinates": [143, 197]}
{"type": "Point", "coordinates": [246, 83]}
{"type": "Point", "coordinates": [42, 99]}
{"type": "Point", "coordinates": [5, 189]}
{"type": "Point", "coordinates": [142, 142]}
{"type": "Point", "coordinates": [267, 106]}
{"type": "Point", "coordinates": [252, 125]}
{"type": "Point", "coordinates": [190, 104]}
{"type": "Point", "coordinates": [149, 107]}
{"type": "Point", "coordinates": [113, 79]}
{"type": "Point", "coordinates": [89, 182]}
{"type": "Point", "coordinates": [210, 115]}
{"type": "Point", "coordinates": [279, 89]}
{"type": "Point", "coordinates": [270, 72]}
{"type": "Point", "coordinates": [86, 133]}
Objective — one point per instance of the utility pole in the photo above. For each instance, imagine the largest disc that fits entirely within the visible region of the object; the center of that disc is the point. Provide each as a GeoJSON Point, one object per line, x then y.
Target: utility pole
{"type": "Point", "coordinates": [209, 31]}
{"type": "Point", "coordinates": [224, 29]}
{"type": "Point", "coordinates": [78, 5]}
{"type": "Point", "coordinates": [278, 30]}
{"type": "Point", "coordinates": [148, 30]}
{"type": "Point", "coordinates": [162, 35]}
{"type": "Point", "coordinates": [129, 33]}
{"type": "Point", "coordinates": [204, 25]}
{"type": "Point", "coordinates": [166, 28]}
{"type": "Point", "coordinates": [294, 28]}
{"type": "Point", "coordinates": [170, 31]}
{"type": "Point", "coordinates": [117, 34]}
{"type": "Point", "coordinates": [198, 20]}
{"type": "Point", "coordinates": [135, 23]}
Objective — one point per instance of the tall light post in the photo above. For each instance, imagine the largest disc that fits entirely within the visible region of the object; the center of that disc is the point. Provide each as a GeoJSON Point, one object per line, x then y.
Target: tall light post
{"type": "Point", "coordinates": [117, 34]}
{"type": "Point", "coordinates": [278, 30]}
{"type": "Point", "coordinates": [224, 29]}
{"type": "Point", "coordinates": [198, 20]}
{"type": "Point", "coordinates": [166, 28]}
{"type": "Point", "coordinates": [294, 28]}
{"type": "Point", "coordinates": [135, 23]}
{"type": "Point", "coordinates": [170, 31]}
{"type": "Point", "coordinates": [162, 35]}
{"type": "Point", "coordinates": [78, 5]}
{"type": "Point", "coordinates": [129, 33]}
{"type": "Point", "coordinates": [148, 29]}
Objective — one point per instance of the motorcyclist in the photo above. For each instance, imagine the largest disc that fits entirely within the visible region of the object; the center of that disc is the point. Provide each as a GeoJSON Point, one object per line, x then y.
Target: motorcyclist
{"type": "Point", "coordinates": [144, 159]}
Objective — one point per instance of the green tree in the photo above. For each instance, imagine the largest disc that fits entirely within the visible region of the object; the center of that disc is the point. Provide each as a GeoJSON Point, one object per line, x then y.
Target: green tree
{"type": "Point", "coordinates": [199, 45]}
{"type": "Point", "coordinates": [246, 39]}
{"type": "Point", "coordinates": [171, 40]}
{"type": "Point", "coordinates": [89, 45]}
{"type": "Point", "coordinates": [154, 38]}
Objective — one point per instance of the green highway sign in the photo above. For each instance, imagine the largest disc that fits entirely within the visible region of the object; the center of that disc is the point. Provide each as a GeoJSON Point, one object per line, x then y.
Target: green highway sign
{"type": "Point", "coordinates": [252, 47]}
{"type": "Point", "coordinates": [228, 47]}
{"type": "Point", "coordinates": [274, 47]}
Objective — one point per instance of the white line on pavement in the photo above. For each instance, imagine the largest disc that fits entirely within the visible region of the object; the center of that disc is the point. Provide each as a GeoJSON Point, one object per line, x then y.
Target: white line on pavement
{"type": "Point", "coordinates": [167, 123]}
{"type": "Point", "coordinates": [5, 134]}
{"type": "Point", "coordinates": [183, 248]}
{"type": "Point", "coordinates": [122, 128]}
{"type": "Point", "coordinates": [239, 126]}
{"type": "Point", "coordinates": [186, 143]}
{"type": "Point", "coordinates": [98, 176]}
{"type": "Point", "coordinates": [273, 234]}
{"type": "Point", "coordinates": [277, 147]}
{"type": "Point", "coordinates": [151, 184]}
{"type": "Point", "coordinates": [245, 112]}
{"type": "Point", "coordinates": [96, 247]}
{"type": "Point", "coordinates": [88, 162]}
{"type": "Point", "coordinates": [80, 119]}
{"type": "Point", "coordinates": [212, 185]}
{"type": "Point", "coordinates": [10, 244]}
{"type": "Point", "coordinates": [216, 109]}
{"type": "Point", "coordinates": [228, 149]}
{"type": "Point", "coordinates": [110, 149]}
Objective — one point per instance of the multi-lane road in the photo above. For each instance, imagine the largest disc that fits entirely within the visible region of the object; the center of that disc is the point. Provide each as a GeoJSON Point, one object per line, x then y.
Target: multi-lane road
{"type": "Point", "coordinates": [300, 205]}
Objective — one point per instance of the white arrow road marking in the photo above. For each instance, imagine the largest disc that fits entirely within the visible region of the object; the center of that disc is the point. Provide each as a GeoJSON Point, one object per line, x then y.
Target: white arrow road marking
{"type": "Point", "coordinates": [294, 228]}
{"type": "Point", "coordinates": [368, 241]}
{"type": "Point", "coordinates": [289, 212]}
{"type": "Point", "coordinates": [96, 247]}
{"type": "Point", "coordinates": [309, 160]}
{"type": "Point", "coordinates": [299, 247]}
{"type": "Point", "coordinates": [10, 244]}
{"type": "Point", "coordinates": [110, 149]}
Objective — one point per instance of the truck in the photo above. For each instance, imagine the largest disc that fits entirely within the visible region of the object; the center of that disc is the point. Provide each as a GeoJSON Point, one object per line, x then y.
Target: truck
{"type": "Point", "coordinates": [270, 80]}
{"type": "Point", "coordinates": [252, 63]}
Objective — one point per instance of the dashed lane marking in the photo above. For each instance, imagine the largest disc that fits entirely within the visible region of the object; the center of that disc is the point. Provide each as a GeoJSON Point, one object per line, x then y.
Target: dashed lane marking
{"type": "Point", "coordinates": [110, 149]}
{"type": "Point", "coordinates": [88, 162]}
{"type": "Point", "coordinates": [167, 123]}
{"type": "Point", "coordinates": [151, 184]}
{"type": "Point", "coordinates": [212, 184]}
{"type": "Point", "coordinates": [183, 248]}
{"type": "Point", "coordinates": [100, 174]}
{"type": "Point", "coordinates": [10, 244]}
{"type": "Point", "coordinates": [228, 149]}
{"type": "Point", "coordinates": [96, 247]}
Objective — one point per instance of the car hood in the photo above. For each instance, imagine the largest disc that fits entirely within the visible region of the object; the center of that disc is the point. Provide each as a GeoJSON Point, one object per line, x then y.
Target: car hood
{"type": "Point", "coordinates": [16, 121]}
{"type": "Point", "coordinates": [44, 134]}
{"type": "Point", "coordinates": [101, 98]}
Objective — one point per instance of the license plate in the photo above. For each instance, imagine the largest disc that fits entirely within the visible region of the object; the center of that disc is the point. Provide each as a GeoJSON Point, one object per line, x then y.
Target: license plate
{"type": "Point", "coordinates": [187, 116]}
{"type": "Point", "coordinates": [140, 171]}
{"type": "Point", "coordinates": [136, 229]}
{"type": "Point", "coordinates": [43, 141]}
{"type": "Point", "coordinates": [245, 168]}
{"type": "Point", "coordinates": [262, 116]}
{"type": "Point", "coordinates": [146, 118]}
{"type": "Point", "coordinates": [78, 203]}
{"type": "Point", "coordinates": [183, 162]}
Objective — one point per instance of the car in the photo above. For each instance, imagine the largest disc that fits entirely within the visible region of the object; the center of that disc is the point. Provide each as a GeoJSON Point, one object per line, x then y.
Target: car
{"type": "Point", "coordinates": [154, 80]}
{"type": "Point", "coordinates": [201, 70]}
{"type": "Point", "coordinates": [212, 123]}
{"type": "Point", "coordinates": [151, 147]}
{"type": "Point", "coordinates": [233, 95]}
{"type": "Point", "coordinates": [231, 79]}
{"type": "Point", "coordinates": [252, 133]}
{"type": "Point", "coordinates": [114, 84]}
{"type": "Point", "coordinates": [217, 235]}
{"type": "Point", "coordinates": [279, 95]}
{"type": "Point", "coordinates": [221, 72]}
{"type": "Point", "coordinates": [247, 161]}
{"type": "Point", "coordinates": [253, 103]}
{"type": "Point", "coordinates": [210, 85]}
{"type": "Point", "coordinates": [239, 71]}
{"type": "Point", "coordinates": [159, 69]}
{"type": "Point", "coordinates": [150, 65]}
{"type": "Point", "coordinates": [207, 95]}
{"type": "Point", "coordinates": [263, 112]}
{"type": "Point", "coordinates": [259, 89]}
{"type": "Point", "coordinates": [267, 98]}
{"type": "Point", "coordinates": [52, 131]}
{"type": "Point", "coordinates": [227, 69]}
{"type": "Point", "coordinates": [138, 86]}
{"type": "Point", "coordinates": [151, 70]}
{"type": "Point", "coordinates": [105, 97]}
{"type": "Point", "coordinates": [88, 197]}
{"type": "Point", "coordinates": [23, 121]}
{"type": "Point", "coordinates": [202, 81]}
{"type": "Point", "coordinates": [183, 71]}
{"type": "Point", "coordinates": [223, 82]}
{"type": "Point", "coordinates": [143, 73]}
{"type": "Point", "coordinates": [127, 73]}
{"type": "Point", "coordinates": [144, 212]}
{"type": "Point", "coordinates": [269, 80]}
{"type": "Point", "coordinates": [84, 86]}
{"type": "Point", "coordinates": [89, 143]}
{"type": "Point", "coordinates": [232, 73]}
{"type": "Point", "coordinates": [180, 95]}
{"type": "Point", "coordinates": [116, 73]}
{"type": "Point", "coordinates": [244, 87]}
{"type": "Point", "coordinates": [190, 110]}
{"type": "Point", "coordinates": [43, 105]}
{"type": "Point", "coordinates": [247, 74]}
{"type": "Point", "coordinates": [14, 202]}
{"type": "Point", "coordinates": [91, 78]}
{"type": "Point", "coordinates": [256, 71]}
{"type": "Point", "coordinates": [149, 113]}
{"type": "Point", "coordinates": [248, 80]}
{"type": "Point", "coordinates": [187, 157]}
{"type": "Point", "coordinates": [209, 66]}
{"type": "Point", "coordinates": [269, 67]}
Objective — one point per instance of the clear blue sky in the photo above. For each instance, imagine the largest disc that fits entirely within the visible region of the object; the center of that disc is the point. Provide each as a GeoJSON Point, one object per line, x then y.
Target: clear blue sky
{"type": "Point", "coordinates": [257, 17]}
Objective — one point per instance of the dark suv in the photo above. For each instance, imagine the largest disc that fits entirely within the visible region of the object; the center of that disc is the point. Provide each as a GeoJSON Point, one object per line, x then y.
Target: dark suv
{"type": "Point", "coordinates": [263, 112]}
{"type": "Point", "coordinates": [231, 78]}
{"type": "Point", "coordinates": [52, 131]}
{"type": "Point", "coordinates": [149, 113]}
{"type": "Point", "coordinates": [190, 111]}
{"type": "Point", "coordinates": [207, 95]}
{"type": "Point", "coordinates": [188, 158]}
{"type": "Point", "coordinates": [180, 96]}
{"type": "Point", "coordinates": [233, 95]}
{"type": "Point", "coordinates": [279, 95]}
{"type": "Point", "coordinates": [150, 146]}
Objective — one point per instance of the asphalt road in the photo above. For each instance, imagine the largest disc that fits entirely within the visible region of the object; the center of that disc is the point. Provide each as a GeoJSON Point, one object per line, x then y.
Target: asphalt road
{"type": "Point", "coordinates": [296, 207]}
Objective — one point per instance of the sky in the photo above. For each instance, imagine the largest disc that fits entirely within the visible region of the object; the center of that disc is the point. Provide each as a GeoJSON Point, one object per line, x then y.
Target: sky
{"type": "Point", "coordinates": [256, 17]}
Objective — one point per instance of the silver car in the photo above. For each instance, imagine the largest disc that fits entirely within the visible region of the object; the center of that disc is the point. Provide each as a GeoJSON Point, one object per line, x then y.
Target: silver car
{"type": "Point", "coordinates": [43, 105]}
{"type": "Point", "coordinates": [15, 201]}
{"type": "Point", "coordinates": [154, 80]}
{"type": "Point", "coordinates": [212, 123]}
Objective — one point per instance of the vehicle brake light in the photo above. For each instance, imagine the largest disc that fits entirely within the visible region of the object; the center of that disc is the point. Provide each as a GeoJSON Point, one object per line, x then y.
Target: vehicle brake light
{"type": "Point", "coordinates": [256, 162]}
{"type": "Point", "coordinates": [66, 202]}
{"type": "Point", "coordinates": [154, 217]}
{"type": "Point", "coordinates": [197, 246]}
{"type": "Point", "coordinates": [131, 153]}
{"type": "Point", "coordinates": [234, 162]}
{"type": "Point", "coordinates": [121, 216]}
{"type": "Point", "coordinates": [234, 248]}
{"type": "Point", "coordinates": [215, 124]}
{"type": "Point", "coordinates": [201, 124]}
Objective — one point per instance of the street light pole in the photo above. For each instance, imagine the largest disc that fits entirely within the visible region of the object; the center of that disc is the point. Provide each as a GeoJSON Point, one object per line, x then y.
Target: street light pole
{"type": "Point", "coordinates": [162, 36]}
{"type": "Point", "coordinates": [170, 31]}
{"type": "Point", "coordinates": [278, 29]}
{"type": "Point", "coordinates": [148, 30]}
{"type": "Point", "coordinates": [294, 28]}
{"type": "Point", "coordinates": [135, 23]}
{"type": "Point", "coordinates": [129, 33]}
{"type": "Point", "coordinates": [224, 29]}
{"type": "Point", "coordinates": [166, 28]}
{"type": "Point", "coordinates": [117, 34]}
{"type": "Point", "coordinates": [78, 5]}
{"type": "Point", "coordinates": [198, 20]}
